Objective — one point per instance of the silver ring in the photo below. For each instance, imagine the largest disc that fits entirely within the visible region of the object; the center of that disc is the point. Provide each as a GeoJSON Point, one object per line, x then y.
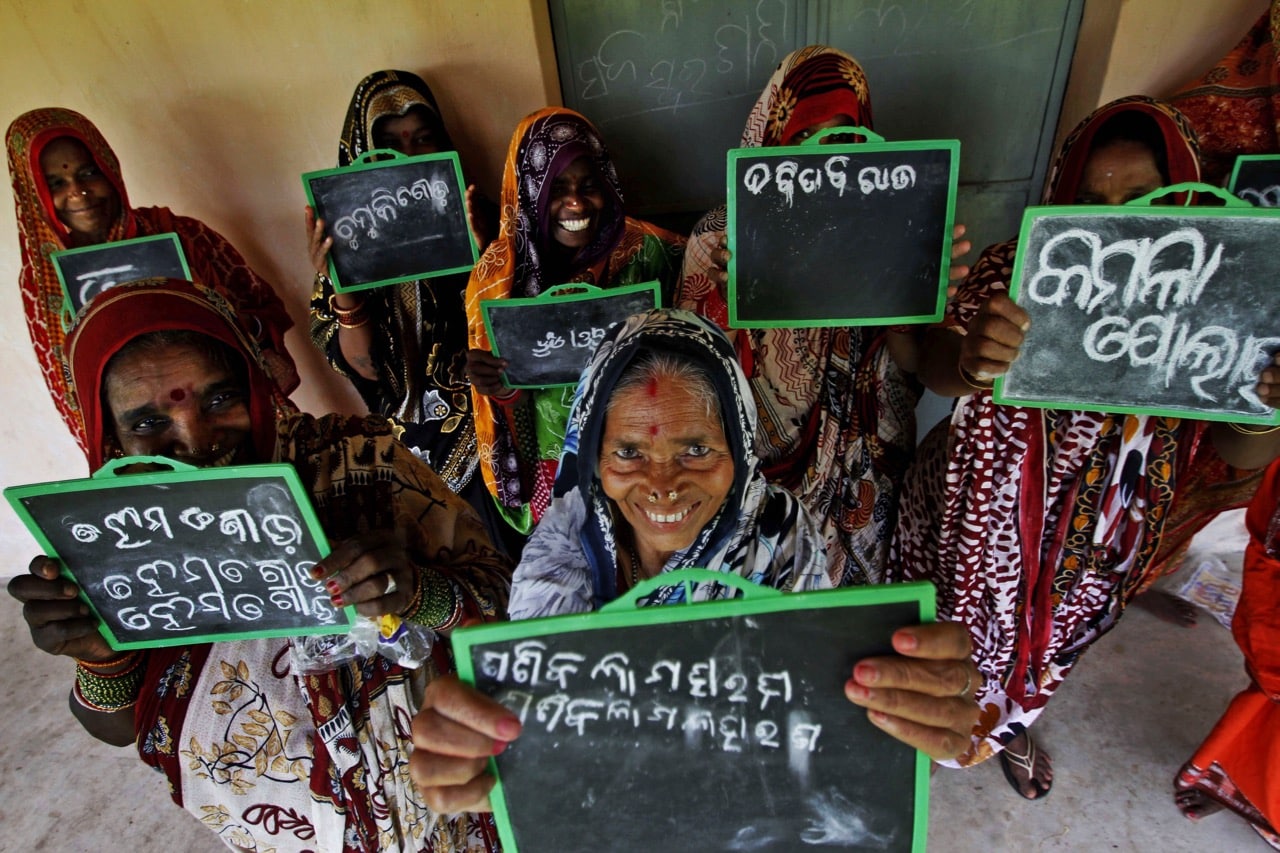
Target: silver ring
{"type": "Point", "coordinates": [968, 682]}
{"type": "Point", "coordinates": [391, 585]}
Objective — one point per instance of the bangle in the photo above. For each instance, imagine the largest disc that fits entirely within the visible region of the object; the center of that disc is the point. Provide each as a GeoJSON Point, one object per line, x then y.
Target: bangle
{"type": "Point", "coordinates": [111, 668]}
{"type": "Point", "coordinates": [507, 397]}
{"type": "Point", "coordinates": [439, 605]}
{"type": "Point", "coordinates": [349, 318]}
{"type": "Point", "coordinates": [1247, 431]}
{"type": "Point", "coordinates": [973, 381]}
{"type": "Point", "coordinates": [108, 693]}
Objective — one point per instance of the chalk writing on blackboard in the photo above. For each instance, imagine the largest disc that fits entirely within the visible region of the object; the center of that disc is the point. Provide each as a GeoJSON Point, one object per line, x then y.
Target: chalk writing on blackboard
{"type": "Point", "coordinates": [1256, 179]}
{"type": "Point", "coordinates": [383, 204]}
{"type": "Point", "coordinates": [729, 703]}
{"type": "Point", "coordinates": [1160, 312]}
{"type": "Point", "coordinates": [788, 175]}
{"type": "Point", "coordinates": [171, 561]}
{"type": "Point", "coordinates": [87, 271]}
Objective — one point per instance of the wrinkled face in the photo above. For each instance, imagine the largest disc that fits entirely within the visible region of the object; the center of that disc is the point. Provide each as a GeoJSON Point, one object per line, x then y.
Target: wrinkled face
{"type": "Point", "coordinates": [410, 134]}
{"type": "Point", "coordinates": [177, 401]}
{"type": "Point", "coordinates": [659, 440]}
{"type": "Point", "coordinates": [841, 120]}
{"type": "Point", "coordinates": [83, 198]}
{"type": "Point", "coordinates": [1118, 172]}
{"type": "Point", "coordinates": [575, 204]}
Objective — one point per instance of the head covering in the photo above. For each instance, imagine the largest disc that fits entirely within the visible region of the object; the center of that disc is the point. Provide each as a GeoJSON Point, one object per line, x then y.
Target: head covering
{"type": "Point", "coordinates": [742, 537]}
{"type": "Point", "coordinates": [810, 86]}
{"type": "Point", "coordinates": [1181, 154]}
{"type": "Point", "coordinates": [544, 143]}
{"type": "Point", "coordinates": [212, 259]}
{"type": "Point", "coordinates": [1234, 106]}
{"type": "Point", "coordinates": [127, 311]}
{"type": "Point", "coordinates": [385, 94]}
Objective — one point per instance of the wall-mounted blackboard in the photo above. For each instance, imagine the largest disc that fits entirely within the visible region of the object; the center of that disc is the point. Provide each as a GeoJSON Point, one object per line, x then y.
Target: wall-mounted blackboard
{"type": "Point", "coordinates": [714, 726]}
{"type": "Point", "coordinates": [1152, 310]}
{"type": "Point", "coordinates": [186, 556]}
{"type": "Point", "coordinates": [840, 235]}
{"type": "Point", "coordinates": [1255, 178]}
{"type": "Point", "coordinates": [394, 219]}
{"type": "Point", "coordinates": [661, 77]}
{"type": "Point", "coordinates": [89, 270]}
{"type": "Point", "coordinates": [549, 338]}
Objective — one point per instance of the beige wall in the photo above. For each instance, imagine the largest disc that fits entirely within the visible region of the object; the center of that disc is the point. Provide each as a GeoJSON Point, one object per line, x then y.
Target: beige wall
{"type": "Point", "coordinates": [215, 107]}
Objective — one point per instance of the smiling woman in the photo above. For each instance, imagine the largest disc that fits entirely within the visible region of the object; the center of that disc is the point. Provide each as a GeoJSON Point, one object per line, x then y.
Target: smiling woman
{"type": "Point", "coordinates": [562, 221]}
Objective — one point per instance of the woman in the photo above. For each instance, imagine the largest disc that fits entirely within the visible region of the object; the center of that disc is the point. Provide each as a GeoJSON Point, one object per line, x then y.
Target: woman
{"type": "Point", "coordinates": [562, 221]}
{"type": "Point", "coordinates": [836, 405]}
{"type": "Point", "coordinates": [404, 346]}
{"type": "Point", "coordinates": [69, 193]}
{"type": "Point", "coordinates": [660, 474]}
{"type": "Point", "coordinates": [268, 757]}
{"type": "Point", "coordinates": [1236, 765]}
{"type": "Point", "coordinates": [1039, 548]}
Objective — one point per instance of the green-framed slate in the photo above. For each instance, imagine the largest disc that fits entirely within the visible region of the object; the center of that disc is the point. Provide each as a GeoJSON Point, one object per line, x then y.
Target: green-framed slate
{"type": "Point", "coordinates": [1146, 309]}
{"type": "Point", "coordinates": [393, 218]}
{"type": "Point", "coordinates": [547, 339]}
{"type": "Point", "coordinates": [1255, 178]}
{"type": "Point", "coordinates": [187, 555]}
{"type": "Point", "coordinates": [721, 724]}
{"type": "Point", "coordinates": [87, 271]}
{"type": "Point", "coordinates": [840, 234]}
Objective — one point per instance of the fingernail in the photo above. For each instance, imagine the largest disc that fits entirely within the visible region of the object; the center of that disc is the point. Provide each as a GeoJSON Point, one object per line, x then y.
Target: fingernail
{"type": "Point", "coordinates": [69, 591]}
{"type": "Point", "coordinates": [84, 611]}
{"type": "Point", "coordinates": [337, 601]}
{"type": "Point", "coordinates": [509, 728]}
{"type": "Point", "coordinates": [332, 586]}
{"type": "Point", "coordinates": [499, 746]}
{"type": "Point", "coordinates": [317, 571]}
{"type": "Point", "coordinates": [865, 673]}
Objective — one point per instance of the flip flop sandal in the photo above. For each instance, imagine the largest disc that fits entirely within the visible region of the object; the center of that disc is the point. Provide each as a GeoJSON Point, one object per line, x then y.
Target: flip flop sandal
{"type": "Point", "coordinates": [1027, 764]}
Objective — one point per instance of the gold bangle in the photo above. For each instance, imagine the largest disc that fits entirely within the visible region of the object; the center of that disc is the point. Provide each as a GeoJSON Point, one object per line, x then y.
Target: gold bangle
{"type": "Point", "coordinates": [972, 381]}
{"type": "Point", "coordinates": [349, 318]}
{"type": "Point", "coordinates": [1244, 431]}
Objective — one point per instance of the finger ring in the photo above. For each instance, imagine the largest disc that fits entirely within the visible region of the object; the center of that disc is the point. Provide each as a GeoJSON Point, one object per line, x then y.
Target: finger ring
{"type": "Point", "coordinates": [968, 682]}
{"type": "Point", "coordinates": [391, 587]}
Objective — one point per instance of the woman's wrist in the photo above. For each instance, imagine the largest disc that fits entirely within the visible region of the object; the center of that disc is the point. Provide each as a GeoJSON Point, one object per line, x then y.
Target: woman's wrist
{"type": "Point", "coordinates": [974, 382]}
{"type": "Point", "coordinates": [109, 686]}
{"type": "Point", "coordinates": [352, 316]}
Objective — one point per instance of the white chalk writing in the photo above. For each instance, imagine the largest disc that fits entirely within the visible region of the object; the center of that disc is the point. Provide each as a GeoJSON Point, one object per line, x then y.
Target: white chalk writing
{"type": "Point", "coordinates": [786, 175]}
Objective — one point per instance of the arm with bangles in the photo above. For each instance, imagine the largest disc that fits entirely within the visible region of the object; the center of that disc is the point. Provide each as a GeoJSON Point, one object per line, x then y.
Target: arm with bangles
{"type": "Point", "coordinates": [348, 310]}
{"type": "Point", "coordinates": [107, 682]}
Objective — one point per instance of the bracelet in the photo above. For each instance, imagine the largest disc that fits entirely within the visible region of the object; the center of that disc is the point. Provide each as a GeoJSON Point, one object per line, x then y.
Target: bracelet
{"type": "Point", "coordinates": [1246, 431]}
{"type": "Point", "coordinates": [111, 668]}
{"type": "Point", "coordinates": [973, 381]}
{"type": "Point", "coordinates": [349, 318]}
{"type": "Point", "coordinates": [108, 693]}
{"type": "Point", "coordinates": [439, 605]}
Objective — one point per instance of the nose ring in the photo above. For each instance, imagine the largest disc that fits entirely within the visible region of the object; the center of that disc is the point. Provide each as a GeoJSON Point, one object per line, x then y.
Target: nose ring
{"type": "Point", "coordinates": [671, 496]}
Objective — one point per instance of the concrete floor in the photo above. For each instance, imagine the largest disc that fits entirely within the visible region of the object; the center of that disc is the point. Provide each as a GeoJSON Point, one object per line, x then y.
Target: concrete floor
{"type": "Point", "coordinates": [1133, 711]}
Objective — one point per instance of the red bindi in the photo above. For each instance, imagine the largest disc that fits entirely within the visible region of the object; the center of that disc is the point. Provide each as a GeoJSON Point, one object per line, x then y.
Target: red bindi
{"type": "Point", "coordinates": [653, 386]}
{"type": "Point", "coordinates": [653, 430]}
{"type": "Point", "coordinates": [177, 395]}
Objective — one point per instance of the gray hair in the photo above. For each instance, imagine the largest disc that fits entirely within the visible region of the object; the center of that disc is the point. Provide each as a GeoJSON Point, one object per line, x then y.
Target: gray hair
{"type": "Point", "coordinates": [654, 366]}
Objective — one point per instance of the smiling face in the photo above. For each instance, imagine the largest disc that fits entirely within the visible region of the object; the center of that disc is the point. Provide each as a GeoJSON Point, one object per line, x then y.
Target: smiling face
{"type": "Point", "coordinates": [410, 134]}
{"type": "Point", "coordinates": [84, 199]}
{"type": "Point", "coordinates": [1118, 172]}
{"type": "Point", "coordinates": [179, 400]}
{"type": "Point", "coordinates": [575, 203]}
{"type": "Point", "coordinates": [661, 441]}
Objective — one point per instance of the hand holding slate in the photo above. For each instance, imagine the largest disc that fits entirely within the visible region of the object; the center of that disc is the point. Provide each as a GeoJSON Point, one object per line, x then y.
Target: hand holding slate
{"type": "Point", "coordinates": [923, 696]}
{"type": "Point", "coordinates": [994, 339]}
{"type": "Point", "coordinates": [485, 371]}
{"type": "Point", "coordinates": [60, 623]}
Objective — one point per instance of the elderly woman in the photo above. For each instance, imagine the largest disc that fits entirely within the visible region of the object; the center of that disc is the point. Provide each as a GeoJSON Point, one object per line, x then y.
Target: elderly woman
{"type": "Point", "coordinates": [1040, 551]}
{"type": "Point", "coordinates": [660, 474]}
{"type": "Point", "coordinates": [69, 193]}
{"type": "Point", "coordinates": [562, 221]}
{"type": "Point", "coordinates": [404, 346]}
{"type": "Point", "coordinates": [318, 760]}
{"type": "Point", "coordinates": [836, 405]}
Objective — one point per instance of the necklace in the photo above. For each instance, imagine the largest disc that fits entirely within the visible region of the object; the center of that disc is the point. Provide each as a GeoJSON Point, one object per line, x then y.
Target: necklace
{"type": "Point", "coordinates": [635, 563]}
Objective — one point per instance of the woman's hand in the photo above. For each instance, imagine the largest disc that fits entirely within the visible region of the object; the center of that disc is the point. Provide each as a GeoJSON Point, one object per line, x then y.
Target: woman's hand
{"type": "Point", "coordinates": [485, 370]}
{"type": "Point", "coordinates": [373, 571]}
{"type": "Point", "coordinates": [1268, 387]}
{"type": "Point", "coordinates": [318, 243]}
{"type": "Point", "coordinates": [60, 623]}
{"type": "Point", "coordinates": [995, 337]}
{"type": "Point", "coordinates": [924, 696]}
{"type": "Point", "coordinates": [454, 735]}
{"type": "Point", "coordinates": [959, 248]}
{"type": "Point", "coordinates": [1250, 446]}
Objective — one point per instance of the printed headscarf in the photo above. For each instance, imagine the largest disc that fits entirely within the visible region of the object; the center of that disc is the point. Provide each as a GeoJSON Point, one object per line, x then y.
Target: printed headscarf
{"type": "Point", "coordinates": [211, 258]}
{"type": "Point", "coordinates": [385, 94]}
{"type": "Point", "coordinates": [742, 537]}
{"type": "Point", "coordinates": [117, 316]}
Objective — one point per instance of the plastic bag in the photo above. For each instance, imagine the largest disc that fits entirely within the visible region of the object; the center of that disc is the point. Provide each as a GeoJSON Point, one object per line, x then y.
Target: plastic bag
{"type": "Point", "coordinates": [400, 641]}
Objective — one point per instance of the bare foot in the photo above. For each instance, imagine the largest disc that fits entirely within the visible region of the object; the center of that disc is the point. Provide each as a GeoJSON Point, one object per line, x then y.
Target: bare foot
{"type": "Point", "coordinates": [1169, 607]}
{"type": "Point", "coordinates": [1195, 804]}
{"type": "Point", "coordinates": [1027, 767]}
